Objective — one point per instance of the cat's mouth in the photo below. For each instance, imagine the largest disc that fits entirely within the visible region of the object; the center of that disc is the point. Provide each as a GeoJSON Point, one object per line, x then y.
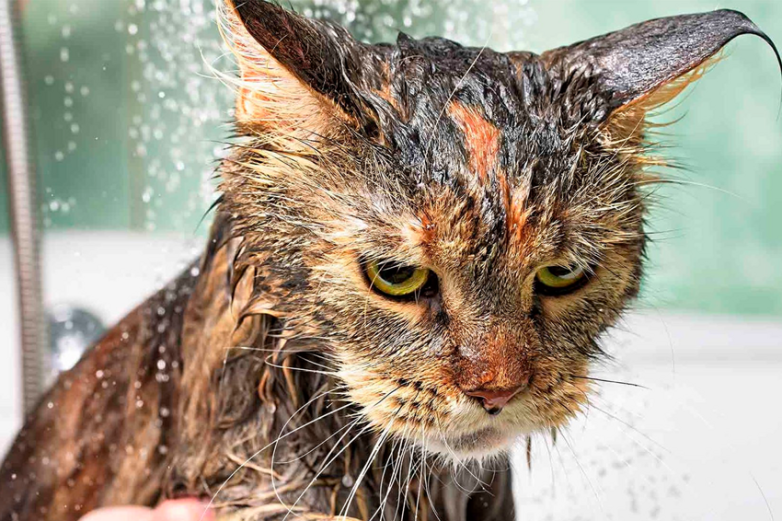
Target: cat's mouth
{"type": "Point", "coordinates": [445, 421]}
{"type": "Point", "coordinates": [483, 442]}
{"type": "Point", "coordinates": [474, 434]}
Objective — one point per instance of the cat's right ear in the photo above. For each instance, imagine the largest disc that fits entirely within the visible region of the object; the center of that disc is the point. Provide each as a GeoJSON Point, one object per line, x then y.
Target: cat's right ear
{"type": "Point", "coordinates": [615, 79]}
{"type": "Point", "coordinates": [294, 77]}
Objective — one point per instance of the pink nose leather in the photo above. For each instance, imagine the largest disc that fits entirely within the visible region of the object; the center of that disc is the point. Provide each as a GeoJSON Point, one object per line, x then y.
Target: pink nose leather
{"type": "Point", "coordinates": [493, 400]}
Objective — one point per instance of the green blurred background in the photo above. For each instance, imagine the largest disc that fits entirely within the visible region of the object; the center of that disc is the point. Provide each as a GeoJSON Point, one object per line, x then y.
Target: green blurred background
{"type": "Point", "coordinates": [128, 122]}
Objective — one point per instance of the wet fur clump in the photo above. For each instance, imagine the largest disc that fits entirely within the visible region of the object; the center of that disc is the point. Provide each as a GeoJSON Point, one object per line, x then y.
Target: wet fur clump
{"type": "Point", "coordinates": [272, 379]}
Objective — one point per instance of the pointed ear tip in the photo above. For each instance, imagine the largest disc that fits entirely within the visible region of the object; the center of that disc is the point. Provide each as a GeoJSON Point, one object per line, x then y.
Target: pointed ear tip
{"type": "Point", "coordinates": [747, 26]}
{"type": "Point", "coordinates": [256, 9]}
{"type": "Point", "coordinates": [742, 24]}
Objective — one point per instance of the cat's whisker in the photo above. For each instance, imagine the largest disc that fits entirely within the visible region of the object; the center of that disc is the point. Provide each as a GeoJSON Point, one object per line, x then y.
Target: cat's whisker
{"type": "Point", "coordinates": [605, 380]}
{"type": "Point", "coordinates": [456, 459]}
{"type": "Point", "coordinates": [295, 352]}
{"type": "Point", "coordinates": [427, 486]}
{"type": "Point", "coordinates": [550, 457]}
{"type": "Point", "coordinates": [262, 449]}
{"type": "Point", "coordinates": [421, 467]}
{"type": "Point", "coordinates": [565, 472]}
{"type": "Point", "coordinates": [285, 426]}
{"type": "Point", "coordinates": [417, 455]}
{"type": "Point", "coordinates": [372, 455]}
{"type": "Point", "coordinates": [330, 458]}
{"type": "Point", "coordinates": [584, 473]}
{"type": "Point", "coordinates": [401, 499]}
{"type": "Point", "coordinates": [354, 490]}
{"type": "Point", "coordinates": [685, 182]}
{"type": "Point", "coordinates": [396, 466]}
{"type": "Point", "coordinates": [267, 350]}
{"type": "Point", "coordinates": [330, 373]}
{"type": "Point", "coordinates": [624, 428]}
{"type": "Point", "coordinates": [390, 463]}
{"type": "Point", "coordinates": [319, 445]}
{"type": "Point", "coordinates": [631, 427]}
{"type": "Point", "coordinates": [404, 482]}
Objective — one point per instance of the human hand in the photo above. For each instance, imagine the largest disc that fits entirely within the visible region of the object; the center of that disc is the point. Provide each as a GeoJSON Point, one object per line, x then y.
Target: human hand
{"type": "Point", "coordinates": [175, 510]}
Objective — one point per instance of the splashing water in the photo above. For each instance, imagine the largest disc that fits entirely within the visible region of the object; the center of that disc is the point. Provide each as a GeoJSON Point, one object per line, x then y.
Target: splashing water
{"type": "Point", "coordinates": [149, 162]}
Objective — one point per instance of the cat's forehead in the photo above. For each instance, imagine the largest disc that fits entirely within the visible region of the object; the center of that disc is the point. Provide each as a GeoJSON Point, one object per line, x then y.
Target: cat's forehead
{"type": "Point", "coordinates": [466, 115]}
{"type": "Point", "coordinates": [475, 131]}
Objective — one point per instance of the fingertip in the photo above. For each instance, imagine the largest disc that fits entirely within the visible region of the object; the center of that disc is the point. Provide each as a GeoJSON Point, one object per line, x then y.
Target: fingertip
{"type": "Point", "coordinates": [183, 510]}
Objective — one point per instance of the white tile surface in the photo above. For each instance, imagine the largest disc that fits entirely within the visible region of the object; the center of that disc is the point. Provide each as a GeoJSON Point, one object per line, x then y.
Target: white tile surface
{"type": "Point", "coordinates": [700, 440]}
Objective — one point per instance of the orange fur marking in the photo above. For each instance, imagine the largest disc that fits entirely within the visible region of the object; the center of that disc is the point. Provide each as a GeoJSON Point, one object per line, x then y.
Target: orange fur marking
{"type": "Point", "coordinates": [481, 138]}
{"type": "Point", "coordinates": [516, 209]}
{"type": "Point", "coordinates": [518, 213]}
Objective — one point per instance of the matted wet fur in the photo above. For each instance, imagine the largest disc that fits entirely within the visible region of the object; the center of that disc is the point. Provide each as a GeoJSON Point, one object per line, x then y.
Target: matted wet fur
{"type": "Point", "coordinates": [274, 380]}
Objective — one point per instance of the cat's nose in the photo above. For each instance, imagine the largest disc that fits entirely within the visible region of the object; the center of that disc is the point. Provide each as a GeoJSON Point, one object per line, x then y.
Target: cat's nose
{"type": "Point", "coordinates": [494, 400]}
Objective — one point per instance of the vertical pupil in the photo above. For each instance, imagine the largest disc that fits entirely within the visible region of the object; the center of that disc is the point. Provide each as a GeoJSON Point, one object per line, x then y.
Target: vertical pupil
{"type": "Point", "coordinates": [396, 275]}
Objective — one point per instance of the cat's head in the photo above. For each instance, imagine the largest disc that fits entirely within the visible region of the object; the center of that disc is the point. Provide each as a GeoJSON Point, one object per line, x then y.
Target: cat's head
{"type": "Point", "coordinates": [454, 226]}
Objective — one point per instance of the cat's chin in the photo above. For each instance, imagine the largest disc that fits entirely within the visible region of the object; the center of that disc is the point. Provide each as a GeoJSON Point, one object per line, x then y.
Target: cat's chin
{"type": "Point", "coordinates": [481, 444]}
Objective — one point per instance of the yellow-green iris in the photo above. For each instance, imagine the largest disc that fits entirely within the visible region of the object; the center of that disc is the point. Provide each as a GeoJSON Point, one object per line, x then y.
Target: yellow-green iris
{"type": "Point", "coordinates": [560, 277]}
{"type": "Point", "coordinates": [396, 281]}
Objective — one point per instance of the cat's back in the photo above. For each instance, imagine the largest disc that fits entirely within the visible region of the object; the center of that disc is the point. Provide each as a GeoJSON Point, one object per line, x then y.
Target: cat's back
{"type": "Point", "coordinates": [98, 436]}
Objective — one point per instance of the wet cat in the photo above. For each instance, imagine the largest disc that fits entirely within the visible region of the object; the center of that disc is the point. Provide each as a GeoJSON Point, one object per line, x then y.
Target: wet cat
{"type": "Point", "coordinates": [416, 250]}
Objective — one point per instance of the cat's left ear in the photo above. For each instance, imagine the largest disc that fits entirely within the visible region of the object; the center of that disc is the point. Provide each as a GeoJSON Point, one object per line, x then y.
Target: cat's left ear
{"type": "Point", "coordinates": [295, 72]}
{"type": "Point", "coordinates": [615, 79]}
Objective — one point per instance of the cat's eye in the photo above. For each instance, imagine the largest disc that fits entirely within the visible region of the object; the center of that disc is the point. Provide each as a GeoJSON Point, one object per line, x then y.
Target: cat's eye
{"type": "Point", "coordinates": [558, 279]}
{"type": "Point", "coordinates": [395, 280]}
